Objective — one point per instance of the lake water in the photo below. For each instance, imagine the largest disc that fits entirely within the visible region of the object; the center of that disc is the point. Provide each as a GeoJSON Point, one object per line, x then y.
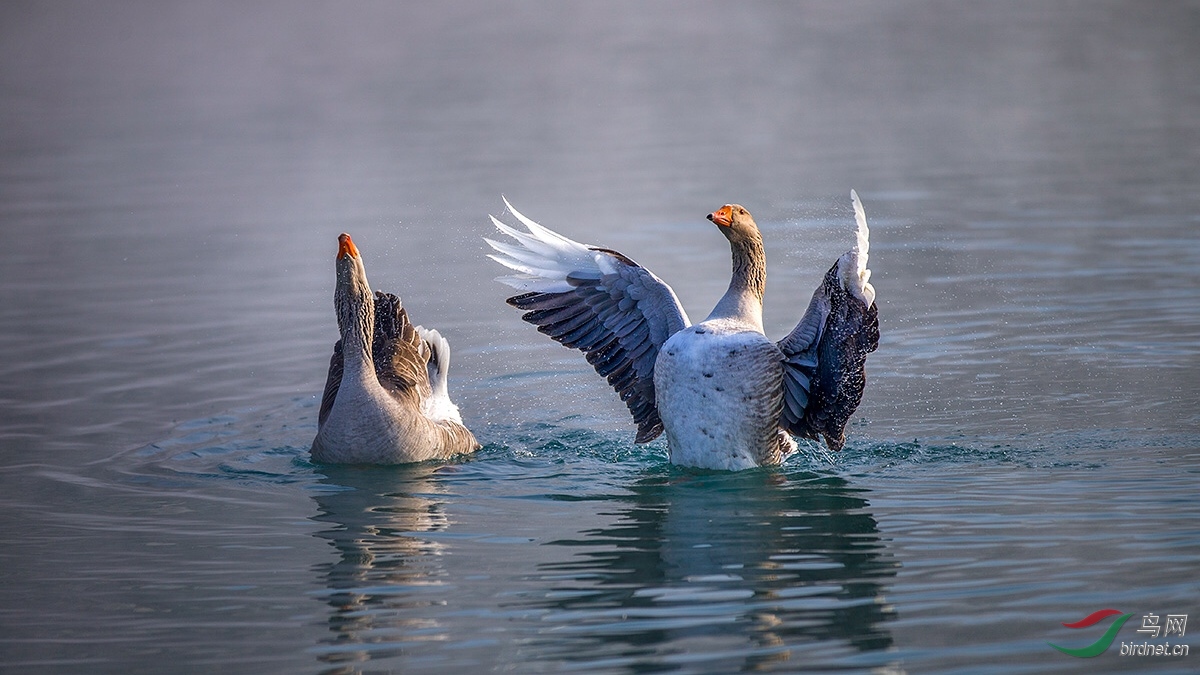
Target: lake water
{"type": "Point", "coordinates": [173, 177]}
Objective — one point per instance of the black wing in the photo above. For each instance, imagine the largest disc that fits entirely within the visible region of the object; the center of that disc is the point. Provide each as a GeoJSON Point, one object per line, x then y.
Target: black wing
{"type": "Point", "coordinates": [824, 369]}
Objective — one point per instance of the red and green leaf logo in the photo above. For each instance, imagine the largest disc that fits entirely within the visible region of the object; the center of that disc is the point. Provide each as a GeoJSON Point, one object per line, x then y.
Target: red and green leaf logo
{"type": "Point", "coordinates": [1096, 648]}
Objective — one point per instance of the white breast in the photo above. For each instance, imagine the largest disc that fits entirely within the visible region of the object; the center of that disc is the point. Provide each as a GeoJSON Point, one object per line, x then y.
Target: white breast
{"type": "Point", "coordinates": [719, 390]}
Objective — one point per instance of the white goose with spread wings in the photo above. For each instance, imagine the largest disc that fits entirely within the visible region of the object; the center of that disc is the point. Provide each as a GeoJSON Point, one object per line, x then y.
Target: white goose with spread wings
{"type": "Point", "coordinates": [726, 396]}
{"type": "Point", "coordinates": [386, 399]}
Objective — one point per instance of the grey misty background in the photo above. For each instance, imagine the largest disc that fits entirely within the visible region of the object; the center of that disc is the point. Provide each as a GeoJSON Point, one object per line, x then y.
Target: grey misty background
{"type": "Point", "coordinates": [174, 175]}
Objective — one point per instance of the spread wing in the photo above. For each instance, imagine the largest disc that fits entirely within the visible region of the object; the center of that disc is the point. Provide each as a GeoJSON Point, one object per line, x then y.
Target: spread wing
{"type": "Point", "coordinates": [825, 353]}
{"type": "Point", "coordinates": [597, 301]}
{"type": "Point", "coordinates": [399, 353]}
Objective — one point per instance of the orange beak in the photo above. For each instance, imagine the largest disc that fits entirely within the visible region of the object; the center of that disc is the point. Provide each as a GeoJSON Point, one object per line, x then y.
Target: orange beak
{"type": "Point", "coordinates": [722, 216]}
{"type": "Point", "coordinates": [346, 246]}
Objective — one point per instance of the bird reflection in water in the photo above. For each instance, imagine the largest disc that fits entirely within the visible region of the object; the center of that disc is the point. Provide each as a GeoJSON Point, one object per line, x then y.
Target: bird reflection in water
{"type": "Point", "coordinates": [386, 570]}
{"type": "Point", "coordinates": [749, 569]}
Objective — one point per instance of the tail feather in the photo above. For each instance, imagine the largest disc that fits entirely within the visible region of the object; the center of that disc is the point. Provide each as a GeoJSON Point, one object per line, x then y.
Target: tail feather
{"type": "Point", "coordinates": [438, 406]}
{"type": "Point", "coordinates": [439, 360]}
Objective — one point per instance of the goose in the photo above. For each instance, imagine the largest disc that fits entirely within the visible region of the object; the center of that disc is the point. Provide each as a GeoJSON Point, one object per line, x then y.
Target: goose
{"type": "Point", "coordinates": [386, 399]}
{"type": "Point", "coordinates": [726, 396]}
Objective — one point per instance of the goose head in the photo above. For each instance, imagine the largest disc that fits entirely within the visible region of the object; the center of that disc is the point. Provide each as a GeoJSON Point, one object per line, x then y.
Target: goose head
{"type": "Point", "coordinates": [736, 223]}
{"type": "Point", "coordinates": [352, 295]}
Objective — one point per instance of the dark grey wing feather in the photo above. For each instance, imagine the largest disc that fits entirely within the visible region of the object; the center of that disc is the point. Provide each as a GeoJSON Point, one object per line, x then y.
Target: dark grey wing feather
{"type": "Point", "coordinates": [332, 383]}
{"type": "Point", "coordinates": [825, 354]}
{"type": "Point", "coordinates": [619, 320]}
{"type": "Point", "coordinates": [400, 355]}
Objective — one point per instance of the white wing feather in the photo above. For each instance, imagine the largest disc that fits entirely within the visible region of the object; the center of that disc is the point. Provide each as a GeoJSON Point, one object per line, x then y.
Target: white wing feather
{"type": "Point", "coordinates": [852, 266]}
{"type": "Point", "coordinates": [543, 258]}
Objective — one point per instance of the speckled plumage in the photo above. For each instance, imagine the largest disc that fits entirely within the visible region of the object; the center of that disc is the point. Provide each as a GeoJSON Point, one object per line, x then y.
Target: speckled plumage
{"type": "Point", "coordinates": [720, 393]}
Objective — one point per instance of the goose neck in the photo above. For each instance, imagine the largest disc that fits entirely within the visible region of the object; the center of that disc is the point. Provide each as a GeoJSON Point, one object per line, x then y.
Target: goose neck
{"type": "Point", "coordinates": [747, 284]}
{"type": "Point", "coordinates": [356, 319]}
